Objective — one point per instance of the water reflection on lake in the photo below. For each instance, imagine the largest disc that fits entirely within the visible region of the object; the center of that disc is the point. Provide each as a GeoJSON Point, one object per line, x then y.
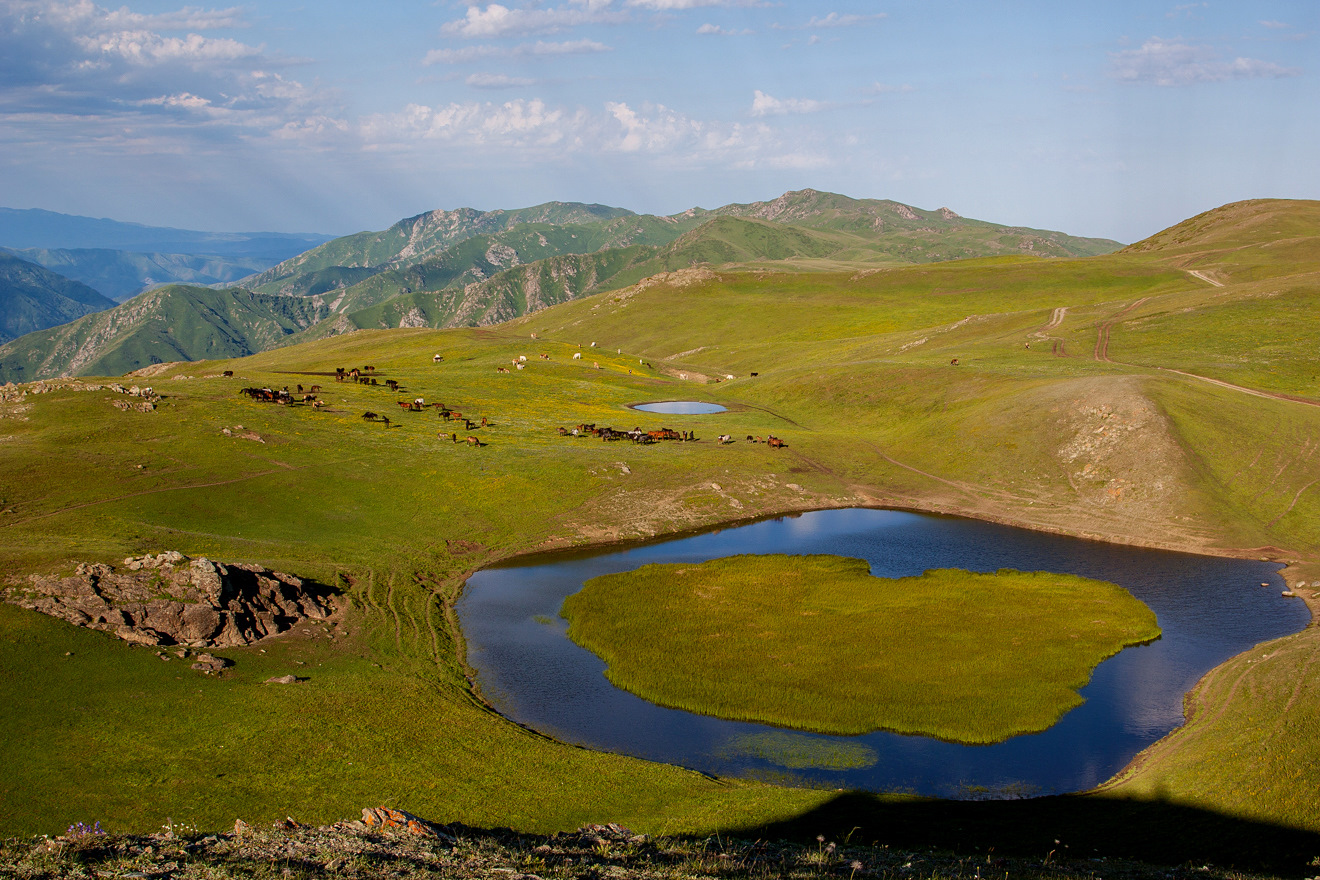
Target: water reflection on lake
{"type": "Point", "coordinates": [681, 407]}
{"type": "Point", "coordinates": [1209, 609]}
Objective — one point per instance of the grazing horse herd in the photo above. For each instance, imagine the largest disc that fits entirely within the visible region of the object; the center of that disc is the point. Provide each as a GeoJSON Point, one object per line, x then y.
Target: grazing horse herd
{"type": "Point", "coordinates": [362, 376]}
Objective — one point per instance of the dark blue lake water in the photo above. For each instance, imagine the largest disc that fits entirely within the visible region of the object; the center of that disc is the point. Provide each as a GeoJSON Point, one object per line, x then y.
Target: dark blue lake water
{"type": "Point", "coordinates": [681, 407]}
{"type": "Point", "coordinates": [1209, 609]}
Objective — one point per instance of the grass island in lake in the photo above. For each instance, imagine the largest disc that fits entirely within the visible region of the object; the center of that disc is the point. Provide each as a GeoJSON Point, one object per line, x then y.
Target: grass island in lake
{"type": "Point", "coordinates": [816, 643]}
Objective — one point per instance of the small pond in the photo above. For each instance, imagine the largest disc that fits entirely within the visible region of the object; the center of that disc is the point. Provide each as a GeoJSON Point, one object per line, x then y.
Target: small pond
{"type": "Point", "coordinates": [681, 407]}
{"type": "Point", "coordinates": [1209, 609]}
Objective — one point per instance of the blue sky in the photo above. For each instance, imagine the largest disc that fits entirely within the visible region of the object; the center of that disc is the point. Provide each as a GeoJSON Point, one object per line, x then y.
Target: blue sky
{"type": "Point", "coordinates": [1110, 119]}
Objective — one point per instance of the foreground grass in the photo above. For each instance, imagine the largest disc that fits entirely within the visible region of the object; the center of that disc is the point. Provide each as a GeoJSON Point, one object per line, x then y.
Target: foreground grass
{"type": "Point", "coordinates": [816, 643]}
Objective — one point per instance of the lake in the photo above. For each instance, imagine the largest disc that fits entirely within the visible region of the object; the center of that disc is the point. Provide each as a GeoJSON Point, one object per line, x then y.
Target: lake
{"type": "Point", "coordinates": [1209, 609]}
{"type": "Point", "coordinates": [681, 407]}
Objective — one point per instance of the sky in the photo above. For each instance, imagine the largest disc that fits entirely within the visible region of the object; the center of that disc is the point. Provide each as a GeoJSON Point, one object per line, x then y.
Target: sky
{"type": "Point", "coordinates": [1110, 118]}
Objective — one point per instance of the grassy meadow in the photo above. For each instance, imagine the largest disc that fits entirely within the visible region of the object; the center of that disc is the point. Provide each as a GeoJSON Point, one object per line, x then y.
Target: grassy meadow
{"type": "Point", "coordinates": [816, 643]}
{"type": "Point", "coordinates": [854, 373]}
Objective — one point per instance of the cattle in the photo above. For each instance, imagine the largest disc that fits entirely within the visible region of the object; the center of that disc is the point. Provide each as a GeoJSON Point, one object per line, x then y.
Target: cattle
{"type": "Point", "coordinates": [501, 369]}
{"type": "Point", "coordinates": [308, 398]}
{"type": "Point", "coordinates": [370, 416]}
{"type": "Point", "coordinates": [437, 358]}
{"type": "Point", "coordinates": [386, 420]}
{"type": "Point", "coordinates": [775, 442]}
{"type": "Point", "coordinates": [315, 389]}
{"type": "Point", "coordinates": [318, 403]}
{"type": "Point", "coordinates": [520, 366]}
{"type": "Point", "coordinates": [593, 345]}
{"type": "Point", "coordinates": [369, 368]}
{"type": "Point", "coordinates": [522, 358]}
{"type": "Point", "coordinates": [473, 441]}
{"type": "Point", "coordinates": [229, 374]}
{"type": "Point", "coordinates": [953, 363]}
{"type": "Point", "coordinates": [392, 384]}
{"type": "Point", "coordinates": [300, 391]}
{"type": "Point", "coordinates": [545, 357]}
{"type": "Point", "coordinates": [577, 355]}
{"type": "Point", "coordinates": [755, 374]}
{"type": "Point", "coordinates": [563, 432]}
{"type": "Point", "coordinates": [725, 438]}
{"type": "Point", "coordinates": [373, 381]}
{"type": "Point", "coordinates": [484, 422]}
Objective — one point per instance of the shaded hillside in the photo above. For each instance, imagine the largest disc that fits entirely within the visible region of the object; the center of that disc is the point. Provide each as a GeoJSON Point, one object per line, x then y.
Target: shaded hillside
{"type": "Point", "coordinates": [172, 323]}
{"type": "Point", "coordinates": [121, 275]}
{"type": "Point", "coordinates": [34, 298]}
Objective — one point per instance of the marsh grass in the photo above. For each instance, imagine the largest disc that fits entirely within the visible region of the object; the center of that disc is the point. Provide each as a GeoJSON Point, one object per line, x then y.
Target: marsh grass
{"type": "Point", "coordinates": [816, 643]}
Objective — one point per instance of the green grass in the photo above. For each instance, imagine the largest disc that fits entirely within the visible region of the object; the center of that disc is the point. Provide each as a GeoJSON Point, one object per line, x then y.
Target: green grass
{"type": "Point", "coordinates": [816, 643]}
{"type": "Point", "coordinates": [1012, 434]}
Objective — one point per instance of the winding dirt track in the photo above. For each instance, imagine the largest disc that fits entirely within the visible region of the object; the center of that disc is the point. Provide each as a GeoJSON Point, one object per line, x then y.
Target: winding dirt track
{"type": "Point", "coordinates": [1102, 354]}
{"type": "Point", "coordinates": [1196, 273]}
{"type": "Point", "coordinates": [1102, 339]}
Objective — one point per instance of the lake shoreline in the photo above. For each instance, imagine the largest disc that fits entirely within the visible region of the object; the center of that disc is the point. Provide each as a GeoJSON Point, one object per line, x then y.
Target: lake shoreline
{"type": "Point", "coordinates": [559, 549]}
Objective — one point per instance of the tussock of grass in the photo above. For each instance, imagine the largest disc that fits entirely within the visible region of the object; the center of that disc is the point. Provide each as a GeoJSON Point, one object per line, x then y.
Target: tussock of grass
{"type": "Point", "coordinates": [816, 643]}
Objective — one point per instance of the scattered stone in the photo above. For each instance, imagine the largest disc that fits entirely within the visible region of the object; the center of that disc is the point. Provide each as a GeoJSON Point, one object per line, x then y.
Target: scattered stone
{"type": "Point", "coordinates": [398, 820]}
{"type": "Point", "coordinates": [283, 679]}
{"type": "Point", "coordinates": [1288, 594]}
{"type": "Point", "coordinates": [169, 599]}
{"type": "Point", "coordinates": [240, 827]}
{"type": "Point", "coordinates": [210, 664]}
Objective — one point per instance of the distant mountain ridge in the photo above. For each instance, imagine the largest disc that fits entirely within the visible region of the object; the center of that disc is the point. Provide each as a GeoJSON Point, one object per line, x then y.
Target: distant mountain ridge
{"type": "Point", "coordinates": [35, 228]}
{"type": "Point", "coordinates": [121, 275]}
{"type": "Point", "coordinates": [467, 267]}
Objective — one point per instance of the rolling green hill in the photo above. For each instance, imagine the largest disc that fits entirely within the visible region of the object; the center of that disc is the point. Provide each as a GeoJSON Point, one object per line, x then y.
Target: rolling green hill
{"type": "Point", "coordinates": [1118, 397]}
{"type": "Point", "coordinates": [34, 298]}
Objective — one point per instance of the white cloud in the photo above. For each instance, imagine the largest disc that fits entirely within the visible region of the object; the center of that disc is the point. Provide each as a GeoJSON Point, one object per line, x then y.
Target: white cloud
{"type": "Point", "coordinates": [768, 105]}
{"type": "Point", "coordinates": [538, 49]}
{"type": "Point", "coordinates": [1276, 25]}
{"type": "Point", "coordinates": [716, 30]}
{"type": "Point", "coordinates": [498, 20]}
{"type": "Point", "coordinates": [540, 133]}
{"type": "Point", "coordinates": [497, 81]}
{"type": "Point", "coordinates": [834, 20]}
{"type": "Point", "coordinates": [676, 5]}
{"type": "Point", "coordinates": [880, 88]}
{"type": "Point", "coordinates": [69, 65]}
{"type": "Point", "coordinates": [1172, 63]}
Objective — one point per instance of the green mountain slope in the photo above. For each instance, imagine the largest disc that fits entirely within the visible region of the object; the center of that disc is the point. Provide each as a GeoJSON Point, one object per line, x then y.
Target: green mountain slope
{"type": "Point", "coordinates": [34, 298]}
{"type": "Point", "coordinates": [415, 238]}
{"type": "Point", "coordinates": [912, 234]}
{"type": "Point", "coordinates": [172, 323]}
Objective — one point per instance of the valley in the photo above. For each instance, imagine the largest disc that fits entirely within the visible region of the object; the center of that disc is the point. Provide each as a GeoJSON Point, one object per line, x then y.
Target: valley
{"type": "Point", "coordinates": [1064, 395]}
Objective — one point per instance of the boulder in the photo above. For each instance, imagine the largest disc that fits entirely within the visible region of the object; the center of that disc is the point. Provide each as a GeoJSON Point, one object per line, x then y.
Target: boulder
{"type": "Point", "coordinates": [168, 599]}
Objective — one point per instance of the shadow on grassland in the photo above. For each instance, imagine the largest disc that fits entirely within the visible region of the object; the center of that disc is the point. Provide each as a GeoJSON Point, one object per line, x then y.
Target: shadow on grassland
{"type": "Point", "coordinates": [1070, 827]}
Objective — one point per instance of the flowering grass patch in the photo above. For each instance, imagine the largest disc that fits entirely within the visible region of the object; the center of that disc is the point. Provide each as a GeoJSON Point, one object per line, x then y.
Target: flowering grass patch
{"type": "Point", "coordinates": [816, 643]}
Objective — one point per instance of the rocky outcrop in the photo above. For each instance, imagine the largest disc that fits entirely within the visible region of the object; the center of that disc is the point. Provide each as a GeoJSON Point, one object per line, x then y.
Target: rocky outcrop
{"type": "Point", "coordinates": [170, 599]}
